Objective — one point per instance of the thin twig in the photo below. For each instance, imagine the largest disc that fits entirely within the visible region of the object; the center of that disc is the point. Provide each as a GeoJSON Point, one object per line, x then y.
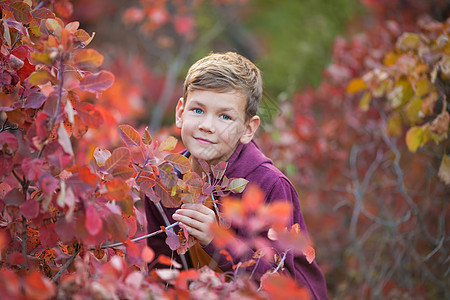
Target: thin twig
{"type": "Point", "coordinates": [138, 238]}
{"type": "Point", "coordinates": [67, 264]}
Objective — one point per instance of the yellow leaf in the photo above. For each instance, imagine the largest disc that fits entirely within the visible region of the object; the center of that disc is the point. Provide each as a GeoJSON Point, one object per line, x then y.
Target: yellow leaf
{"type": "Point", "coordinates": [394, 125]}
{"type": "Point", "coordinates": [390, 58]}
{"type": "Point", "coordinates": [444, 169]}
{"type": "Point", "coordinates": [168, 144]}
{"type": "Point", "coordinates": [414, 138]}
{"type": "Point", "coordinates": [356, 85]}
{"type": "Point", "coordinates": [365, 102]}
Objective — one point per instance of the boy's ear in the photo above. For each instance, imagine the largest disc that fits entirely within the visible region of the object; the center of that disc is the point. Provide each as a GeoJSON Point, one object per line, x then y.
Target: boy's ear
{"type": "Point", "coordinates": [178, 112]}
{"type": "Point", "coordinates": [250, 129]}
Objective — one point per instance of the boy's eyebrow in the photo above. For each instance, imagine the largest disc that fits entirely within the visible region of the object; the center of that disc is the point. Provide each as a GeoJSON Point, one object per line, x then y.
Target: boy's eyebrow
{"type": "Point", "coordinates": [198, 103]}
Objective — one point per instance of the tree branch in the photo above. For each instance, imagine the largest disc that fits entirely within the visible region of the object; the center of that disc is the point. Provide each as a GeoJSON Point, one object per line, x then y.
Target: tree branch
{"type": "Point", "coordinates": [67, 264]}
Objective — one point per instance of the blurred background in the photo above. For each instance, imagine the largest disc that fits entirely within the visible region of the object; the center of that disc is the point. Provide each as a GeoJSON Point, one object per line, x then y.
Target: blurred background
{"type": "Point", "coordinates": [375, 210]}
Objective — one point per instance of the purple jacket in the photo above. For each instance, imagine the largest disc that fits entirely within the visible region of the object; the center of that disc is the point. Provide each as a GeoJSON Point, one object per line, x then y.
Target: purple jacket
{"type": "Point", "coordinates": [250, 163]}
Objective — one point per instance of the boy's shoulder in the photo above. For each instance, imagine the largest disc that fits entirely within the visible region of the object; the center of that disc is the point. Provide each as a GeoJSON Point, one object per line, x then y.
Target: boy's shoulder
{"type": "Point", "coordinates": [249, 162]}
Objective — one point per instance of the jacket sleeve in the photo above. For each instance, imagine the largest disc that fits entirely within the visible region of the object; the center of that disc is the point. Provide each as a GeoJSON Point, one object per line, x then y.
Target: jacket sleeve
{"type": "Point", "coordinates": [306, 274]}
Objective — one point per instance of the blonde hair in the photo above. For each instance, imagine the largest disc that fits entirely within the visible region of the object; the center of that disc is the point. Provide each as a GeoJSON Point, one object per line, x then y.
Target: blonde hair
{"type": "Point", "coordinates": [225, 72]}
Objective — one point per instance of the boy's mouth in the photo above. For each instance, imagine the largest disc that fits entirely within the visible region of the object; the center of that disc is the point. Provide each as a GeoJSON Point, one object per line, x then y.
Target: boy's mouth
{"type": "Point", "coordinates": [204, 141]}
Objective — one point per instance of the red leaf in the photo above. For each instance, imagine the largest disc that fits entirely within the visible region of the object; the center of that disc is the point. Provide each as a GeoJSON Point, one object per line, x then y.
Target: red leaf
{"type": "Point", "coordinates": [35, 100]}
{"type": "Point", "coordinates": [172, 240]}
{"type": "Point", "coordinates": [65, 230]}
{"type": "Point", "coordinates": [30, 209]}
{"type": "Point", "coordinates": [129, 135]}
{"type": "Point", "coordinates": [38, 286]}
{"type": "Point", "coordinates": [120, 157]}
{"type": "Point", "coordinates": [22, 12]}
{"type": "Point", "coordinates": [90, 116]}
{"type": "Point", "coordinates": [116, 226]}
{"type": "Point", "coordinates": [166, 199]}
{"type": "Point", "coordinates": [47, 235]}
{"type": "Point", "coordinates": [132, 249]}
{"type": "Point", "coordinates": [43, 13]}
{"type": "Point", "coordinates": [14, 198]}
{"type": "Point", "coordinates": [63, 8]}
{"type": "Point", "coordinates": [97, 82]}
{"type": "Point", "coordinates": [6, 164]}
{"type": "Point", "coordinates": [180, 162]}
{"type": "Point", "coordinates": [48, 183]}
{"type": "Point", "coordinates": [123, 172]}
{"type": "Point", "coordinates": [184, 24]}
{"type": "Point", "coordinates": [219, 169]}
{"type": "Point", "coordinates": [168, 176]}
{"type": "Point", "coordinates": [87, 176]}
{"type": "Point", "coordinates": [16, 258]}
{"type": "Point", "coordinates": [8, 143]}
{"type": "Point", "coordinates": [93, 222]}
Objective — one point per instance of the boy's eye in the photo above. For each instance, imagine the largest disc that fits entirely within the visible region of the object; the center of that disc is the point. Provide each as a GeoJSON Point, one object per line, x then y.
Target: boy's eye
{"type": "Point", "coordinates": [197, 110]}
{"type": "Point", "coordinates": [225, 117]}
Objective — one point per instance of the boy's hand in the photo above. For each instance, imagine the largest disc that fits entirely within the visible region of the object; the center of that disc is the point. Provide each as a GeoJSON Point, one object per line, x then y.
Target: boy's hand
{"type": "Point", "coordinates": [197, 219]}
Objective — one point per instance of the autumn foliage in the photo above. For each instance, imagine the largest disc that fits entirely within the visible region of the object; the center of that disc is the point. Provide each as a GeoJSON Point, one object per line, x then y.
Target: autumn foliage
{"type": "Point", "coordinates": [71, 211]}
{"type": "Point", "coordinates": [369, 151]}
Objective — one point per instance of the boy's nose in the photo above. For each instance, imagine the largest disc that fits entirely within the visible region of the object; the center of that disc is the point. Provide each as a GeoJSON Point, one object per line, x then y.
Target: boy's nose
{"type": "Point", "coordinates": [207, 124]}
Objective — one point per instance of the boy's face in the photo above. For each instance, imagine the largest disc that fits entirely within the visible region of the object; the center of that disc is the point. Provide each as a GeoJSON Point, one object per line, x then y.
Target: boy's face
{"type": "Point", "coordinates": [213, 123]}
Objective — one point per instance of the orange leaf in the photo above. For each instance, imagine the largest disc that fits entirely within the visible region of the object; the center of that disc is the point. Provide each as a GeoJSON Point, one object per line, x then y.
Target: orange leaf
{"type": "Point", "coordinates": [88, 58]}
{"type": "Point", "coordinates": [38, 286]}
{"type": "Point", "coordinates": [168, 261]}
{"type": "Point", "coordinates": [356, 85]}
{"type": "Point", "coordinates": [117, 189]}
{"type": "Point", "coordinates": [309, 253]}
{"type": "Point", "coordinates": [253, 198]}
{"type": "Point", "coordinates": [129, 135]}
{"type": "Point", "coordinates": [147, 254]}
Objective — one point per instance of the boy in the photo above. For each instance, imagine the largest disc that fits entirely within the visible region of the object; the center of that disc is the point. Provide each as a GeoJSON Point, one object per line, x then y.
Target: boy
{"type": "Point", "coordinates": [217, 118]}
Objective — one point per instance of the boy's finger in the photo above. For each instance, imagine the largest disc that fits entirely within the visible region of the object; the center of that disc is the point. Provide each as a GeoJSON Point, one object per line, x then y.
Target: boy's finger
{"type": "Point", "coordinates": [192, 222]}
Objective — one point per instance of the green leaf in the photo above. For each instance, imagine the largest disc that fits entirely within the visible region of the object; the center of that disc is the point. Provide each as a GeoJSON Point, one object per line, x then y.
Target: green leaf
{"type": "Point", "coordinates": [444, 169]}
{"type": "Point", "coordinates": [237, 185]}
{"type": "Point", "coordinates": [41, 77]}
